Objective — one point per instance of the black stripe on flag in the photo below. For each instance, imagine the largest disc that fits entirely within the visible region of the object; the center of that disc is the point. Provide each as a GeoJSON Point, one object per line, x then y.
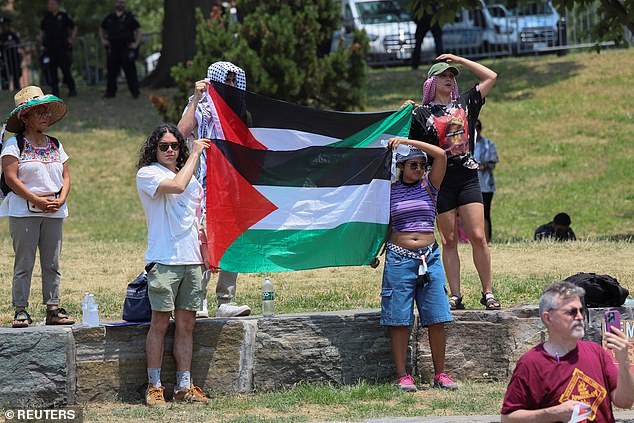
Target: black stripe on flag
{"type": "Point", "coordinates": [266, 112]}
{"type": "Point", "coordinates": [321, 166]}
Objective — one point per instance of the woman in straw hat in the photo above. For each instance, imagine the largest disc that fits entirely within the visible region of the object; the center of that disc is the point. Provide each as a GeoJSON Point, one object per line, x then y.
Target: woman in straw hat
{"type": "Point", "coordinates": [36, 184]}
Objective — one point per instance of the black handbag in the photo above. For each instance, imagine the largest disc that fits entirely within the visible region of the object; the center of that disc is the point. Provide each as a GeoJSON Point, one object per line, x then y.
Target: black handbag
{"type": "Point", "coordinates": [136, 307]}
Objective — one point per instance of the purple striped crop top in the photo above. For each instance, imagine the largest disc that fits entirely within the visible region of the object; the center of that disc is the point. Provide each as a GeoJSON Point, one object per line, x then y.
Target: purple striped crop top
{"type": "Point", "coordinates": [411, 209]}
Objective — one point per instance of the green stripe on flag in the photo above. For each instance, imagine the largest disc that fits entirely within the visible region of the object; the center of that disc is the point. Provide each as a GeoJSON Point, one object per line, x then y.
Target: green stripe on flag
{"type": "Point", "coordinates": [349, 244]}
{"type": "Point", "coordinates": [397, 124]}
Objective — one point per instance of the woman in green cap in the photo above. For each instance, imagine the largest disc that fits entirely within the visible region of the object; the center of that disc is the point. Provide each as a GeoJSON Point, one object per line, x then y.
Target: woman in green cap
{"type": "Point", "coordinates": [448, 119]}
{"type": "Point", "coordinates": [36, 182]}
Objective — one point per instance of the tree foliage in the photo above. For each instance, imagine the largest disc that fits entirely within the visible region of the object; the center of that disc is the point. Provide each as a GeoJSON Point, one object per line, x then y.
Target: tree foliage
{"type": "Point", "coordinates": [283, 47]}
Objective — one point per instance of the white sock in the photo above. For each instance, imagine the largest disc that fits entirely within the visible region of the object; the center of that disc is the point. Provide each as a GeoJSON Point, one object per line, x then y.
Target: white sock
{"type": "Point", "coordinates": [183, 380]}
{"type": "Point", "coordinates": [154, 376]}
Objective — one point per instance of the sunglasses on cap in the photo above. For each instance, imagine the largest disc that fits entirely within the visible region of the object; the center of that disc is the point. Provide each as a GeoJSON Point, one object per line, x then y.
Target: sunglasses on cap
{"type": "Point", "coordinates": [165, 145]}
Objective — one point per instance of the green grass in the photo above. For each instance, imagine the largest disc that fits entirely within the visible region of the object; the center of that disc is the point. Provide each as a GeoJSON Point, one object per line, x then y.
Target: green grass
{"type": "Point", "coordinates": [563, 126]}
{"type": "Point", "coordinates": [312, 402]}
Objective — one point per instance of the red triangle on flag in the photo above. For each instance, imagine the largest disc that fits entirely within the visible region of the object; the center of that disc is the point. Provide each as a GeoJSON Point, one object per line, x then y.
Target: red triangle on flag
{"type": "Point", "coordinates": [233, 205]}
{"type": "Point", "coordinates": [235, 130]}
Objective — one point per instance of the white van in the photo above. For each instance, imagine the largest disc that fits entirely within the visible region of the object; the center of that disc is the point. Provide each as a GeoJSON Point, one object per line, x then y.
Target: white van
{"type": "Point", "coordinates": [388, 26]}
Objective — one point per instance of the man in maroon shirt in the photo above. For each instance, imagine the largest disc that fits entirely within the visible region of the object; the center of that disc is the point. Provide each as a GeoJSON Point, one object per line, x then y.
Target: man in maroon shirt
{"type": "Point", "coordinates": [566, 375]}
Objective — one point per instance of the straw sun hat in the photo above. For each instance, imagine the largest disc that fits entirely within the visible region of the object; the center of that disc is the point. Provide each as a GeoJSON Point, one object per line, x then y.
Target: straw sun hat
{"type": "Point", "coordinates": [30, 97]}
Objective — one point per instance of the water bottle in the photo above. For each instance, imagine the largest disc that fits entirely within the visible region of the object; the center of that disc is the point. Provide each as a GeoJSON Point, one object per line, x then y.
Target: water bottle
{"type": "Point", "coordinates": [268, 307]}
{"type": "Point", "coordinates": [93, 311]}
{"type": "Point", "coordinates": [84, 308]}
{"type": "Point", "coordinates": [629, 302]}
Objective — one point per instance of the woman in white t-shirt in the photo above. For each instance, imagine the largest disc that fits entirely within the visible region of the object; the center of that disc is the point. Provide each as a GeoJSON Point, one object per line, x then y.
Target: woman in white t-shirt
{"type": "Point", "coordinates": [36, 182]}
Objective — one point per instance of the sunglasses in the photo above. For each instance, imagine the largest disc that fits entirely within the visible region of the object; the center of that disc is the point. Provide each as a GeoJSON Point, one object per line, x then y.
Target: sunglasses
{"type": "Point", "coordinates": [416, 165]}
{"type": "Point", "coordinates": [165, 145]}
{"type": "Point", "coordinates": [573, 311]}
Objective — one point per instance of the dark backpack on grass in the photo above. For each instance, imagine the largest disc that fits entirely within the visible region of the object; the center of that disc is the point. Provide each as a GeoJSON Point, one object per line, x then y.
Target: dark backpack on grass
{"type": "Point", "coordinates": [601, 290]}
{"type": "Point", "coordinates": [136, 307]}
{"type": "Point", "coordinates": [6, 189]}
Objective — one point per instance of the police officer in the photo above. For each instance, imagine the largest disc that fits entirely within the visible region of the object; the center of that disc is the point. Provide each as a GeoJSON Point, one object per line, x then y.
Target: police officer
{"type": "Point", "coordinates": [57, 34]}
{"type": "Point", "coordinates": [120, 33]}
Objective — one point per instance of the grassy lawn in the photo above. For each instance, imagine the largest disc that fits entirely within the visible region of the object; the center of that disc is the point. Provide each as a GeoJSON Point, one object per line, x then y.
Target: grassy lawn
{"type": "Point", "coordinates": [563, 126]}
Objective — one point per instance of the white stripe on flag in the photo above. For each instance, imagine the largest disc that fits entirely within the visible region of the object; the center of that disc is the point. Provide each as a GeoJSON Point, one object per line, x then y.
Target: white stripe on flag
{"type": "Point", "coordinates": [279, 139]}
{"type": "Point", "coordinates": [326, 207]}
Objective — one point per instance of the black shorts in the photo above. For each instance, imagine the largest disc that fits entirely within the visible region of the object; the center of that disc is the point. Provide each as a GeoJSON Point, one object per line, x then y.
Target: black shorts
{"type": "Point", "coordinates": [460, 186]}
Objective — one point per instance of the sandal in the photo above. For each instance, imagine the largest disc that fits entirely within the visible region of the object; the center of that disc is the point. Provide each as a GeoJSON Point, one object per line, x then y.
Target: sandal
{"type": "Point", "coordinates": [58, 316]}
{"type": "Point", "coordinates": [489, 301]}
{"type": "Point", "coordinates": [22, 319]}
{"type": "Point", "coordinates": [455, 303]}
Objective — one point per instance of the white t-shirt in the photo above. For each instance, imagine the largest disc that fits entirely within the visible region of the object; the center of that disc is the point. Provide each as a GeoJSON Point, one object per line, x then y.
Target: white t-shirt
{"type": "Point", "coordinates": [172, 219]}
{"type": "Point", "coordinates": [41, 170]}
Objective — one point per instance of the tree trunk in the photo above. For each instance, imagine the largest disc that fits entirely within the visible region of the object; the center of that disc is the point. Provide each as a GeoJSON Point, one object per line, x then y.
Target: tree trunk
{"type": "Point", "coordinates": [178, 40]}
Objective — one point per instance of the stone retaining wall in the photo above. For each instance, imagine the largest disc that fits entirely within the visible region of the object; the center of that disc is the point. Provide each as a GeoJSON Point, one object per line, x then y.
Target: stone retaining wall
{"type": "Point", "coordinates": [59, 365]}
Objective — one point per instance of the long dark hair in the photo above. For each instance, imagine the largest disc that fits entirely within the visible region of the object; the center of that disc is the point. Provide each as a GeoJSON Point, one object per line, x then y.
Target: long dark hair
{"type": "Point", "coordinates": [147, 155]}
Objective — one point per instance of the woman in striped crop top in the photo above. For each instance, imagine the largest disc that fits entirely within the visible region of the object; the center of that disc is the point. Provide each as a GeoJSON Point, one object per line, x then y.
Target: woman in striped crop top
{"type": "Point", "coordinates": [413, 270]}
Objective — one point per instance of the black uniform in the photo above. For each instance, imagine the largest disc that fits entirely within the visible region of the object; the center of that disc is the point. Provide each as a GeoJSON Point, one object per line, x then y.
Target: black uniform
{"type": "Point", "coordinates": [10, 60]}
{"type": "Point", "coordinates": [58, 51]}
{"type": "Point", "coordinates": [120, 32]}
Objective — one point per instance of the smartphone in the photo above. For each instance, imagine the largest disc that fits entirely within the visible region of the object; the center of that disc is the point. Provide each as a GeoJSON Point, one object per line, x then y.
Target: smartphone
{"type": "Point", "coordinates": [612, 318]}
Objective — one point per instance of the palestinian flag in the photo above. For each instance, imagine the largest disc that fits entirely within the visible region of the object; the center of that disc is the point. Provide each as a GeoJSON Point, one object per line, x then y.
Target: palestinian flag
{"type": "Point", "coordinates": [298, 188]}
{"type": "Point", "coordinates": [276, 211]}
{"type": "Point", "coordinates": [264, 123]}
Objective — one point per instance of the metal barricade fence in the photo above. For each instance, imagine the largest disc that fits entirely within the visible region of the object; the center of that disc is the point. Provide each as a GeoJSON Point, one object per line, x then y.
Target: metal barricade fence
{"type": "Point", "coordinates": [89, 61]}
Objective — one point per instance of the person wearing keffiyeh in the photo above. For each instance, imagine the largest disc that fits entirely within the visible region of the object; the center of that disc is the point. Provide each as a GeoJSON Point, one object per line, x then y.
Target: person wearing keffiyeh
{"type": "Point", "coordinates": [200, 118]}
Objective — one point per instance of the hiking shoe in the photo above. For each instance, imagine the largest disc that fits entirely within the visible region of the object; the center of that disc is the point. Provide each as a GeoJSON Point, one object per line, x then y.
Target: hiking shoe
{"type": "Point", "coordinates": [443, 381]}
{"type": "Point", "coordinates": [233, 310]}
{"type": "Point", "coordinates": [407, 383]}
{"type": "Point", "coordinates": [203, 312]}
{"type": "Point", "coordinates": [193, 394]}
{"type": "Point", "coordinates": [154, 396]}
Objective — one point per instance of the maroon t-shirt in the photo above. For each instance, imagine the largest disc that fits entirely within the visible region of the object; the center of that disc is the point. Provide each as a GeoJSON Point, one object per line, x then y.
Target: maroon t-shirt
{"type": "Point", "coordinates": [586, 374]}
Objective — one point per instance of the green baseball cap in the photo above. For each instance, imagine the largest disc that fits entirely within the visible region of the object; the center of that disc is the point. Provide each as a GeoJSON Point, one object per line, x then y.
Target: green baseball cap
{"type": "Point", "coordinates": [440, 67]}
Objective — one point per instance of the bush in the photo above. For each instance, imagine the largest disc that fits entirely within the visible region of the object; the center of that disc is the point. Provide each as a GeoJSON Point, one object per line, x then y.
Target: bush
{"type": "Point", "coordinates": [284, 48]}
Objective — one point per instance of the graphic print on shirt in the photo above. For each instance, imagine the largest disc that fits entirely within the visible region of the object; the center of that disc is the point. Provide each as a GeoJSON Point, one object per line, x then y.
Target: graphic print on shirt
{"type": "Point", "coordinates": [453, 130]}
{"type": "Point", "coordinates": [584, 389]}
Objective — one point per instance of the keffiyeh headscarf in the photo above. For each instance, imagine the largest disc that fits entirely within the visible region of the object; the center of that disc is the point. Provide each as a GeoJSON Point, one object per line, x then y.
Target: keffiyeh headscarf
{"type": "Point", "coordinates": [218, 71]}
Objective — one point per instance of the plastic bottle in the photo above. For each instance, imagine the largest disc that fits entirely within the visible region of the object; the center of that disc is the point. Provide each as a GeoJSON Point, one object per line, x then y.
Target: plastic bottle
{"type": "Point", "coordinates": [268, 307]}
{"type": "Point", "coordinates": [93, 311]}
{"type": "Point", "coordinates": [629, 302]}
{"type": "Point", "coordinates": [84, 308]}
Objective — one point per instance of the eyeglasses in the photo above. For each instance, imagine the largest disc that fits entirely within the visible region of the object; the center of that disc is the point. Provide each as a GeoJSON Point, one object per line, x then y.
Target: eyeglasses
{"type": "Point", "coordinates": [416, 165]}
{"type": "Point", "coordinates": [165, 145]}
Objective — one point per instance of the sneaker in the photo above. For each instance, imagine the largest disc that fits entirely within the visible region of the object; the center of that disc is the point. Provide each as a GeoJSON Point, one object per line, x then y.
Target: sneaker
{"type": "Point", "coordinates": [154, 396]}
{"type": "Point", "coordinates": [193, 394]}
{"type": "Point", "coordinates": [204, 311]}
{"type": "Point", "coordinates": [232, 310]}
{"type": "Point", "coordinates": [443, 381]}
{"type": "Point", "coordinates": [407, 383]}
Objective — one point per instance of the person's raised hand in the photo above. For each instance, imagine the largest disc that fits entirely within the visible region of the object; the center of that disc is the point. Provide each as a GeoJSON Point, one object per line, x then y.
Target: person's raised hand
{"type": "Point", "coordinates": [200, 88]}
{"type": "Point", "coordinates": [200, 145]}
{"type": "Point", "coordinates": [407, 103]}
{"type": "Point", "coordinates": [617, 342]}
{"type": "Point", "coordinates": [449, 58]}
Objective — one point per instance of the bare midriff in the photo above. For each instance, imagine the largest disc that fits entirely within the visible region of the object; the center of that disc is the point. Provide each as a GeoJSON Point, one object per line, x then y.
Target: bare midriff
{"type": "Point", "coordinates": [412, 240]}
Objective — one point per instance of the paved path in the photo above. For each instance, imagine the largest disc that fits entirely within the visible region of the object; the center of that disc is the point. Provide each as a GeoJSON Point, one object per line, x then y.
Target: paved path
{"type": "Point", "coordinates": [621, 417]}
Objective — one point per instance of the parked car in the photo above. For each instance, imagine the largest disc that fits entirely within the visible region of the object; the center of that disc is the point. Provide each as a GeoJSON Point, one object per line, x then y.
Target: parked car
{"type": "Point", "coordinates": [388, 26]}
{"type": "Point", "coordinates": [531, 26]}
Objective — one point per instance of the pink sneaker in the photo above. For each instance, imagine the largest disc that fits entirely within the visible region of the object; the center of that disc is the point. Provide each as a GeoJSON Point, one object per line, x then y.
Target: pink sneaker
{"type": "Point", "coordinates": [407, 383]}
{"type": "Point", "coordinates": [443, 381]}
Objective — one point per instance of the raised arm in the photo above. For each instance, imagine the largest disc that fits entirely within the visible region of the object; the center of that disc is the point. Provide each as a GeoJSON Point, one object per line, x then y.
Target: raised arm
{"type": "Point", "coordinates": [188, 123]}
{"type": "Point", "coordinates": [439, 166]}
{"type": "Point", "coordinates": [486, 76]}
{"type": "Point", "coordinates": [178, 184]}
{"type": "Point", "coordinates": [623, 395]}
